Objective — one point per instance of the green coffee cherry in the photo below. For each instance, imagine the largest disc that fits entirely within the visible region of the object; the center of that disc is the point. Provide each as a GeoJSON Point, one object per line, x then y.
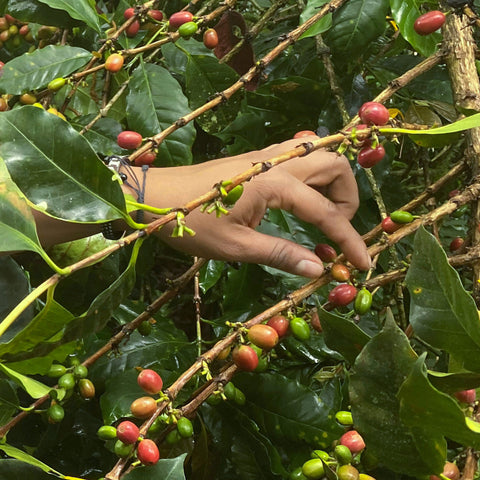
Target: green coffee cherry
{"type": "Point", "coordinates": [343, 455]}
{"type": "Point", "coordinates": [185, 427]}
{"type": "Point", "coordinates": [239, 397]}
{"type": "Point", "coordinates": [320, 454]}
{"type": "Point", "coordinates": [344, 418]}
{"type": "Point", "coordinates": [66, 381]}
{"type": "Point", "coordinates": [107, 432]}
{"type": "Point", "coordinates": [56, 370]}
{"type": "Point", "coordinates": [55, 413]}
{"type": "Point", "coordinates": [145, 328]}
{"type": "Point", "coordinates": [187, 29]}
{"type": "Point", "coordinates": [400, 216]}
{"type": "Point", "coordinates": [80, 371]}
{"type": "Point", "coordinates": [313, 469]}
{"type": "Point", "coordinates": [300, 328]}
{"type": "Point", "coordinates": [122, 450]}
{"type": "Point", "coordinates": [363, 301]}
{"type": "Point", "coordinates": [173, 437]}
{"type": "Point", "coordinates": [233, 195]}
{"type": "Point", "coordinates": [229, 391]}
{"type": "Point", "coordinates": [347, 472]}
{"type": "Point", "coordinates": [214, 399]}
{"type": "Point", "coordinates": [56, 84]}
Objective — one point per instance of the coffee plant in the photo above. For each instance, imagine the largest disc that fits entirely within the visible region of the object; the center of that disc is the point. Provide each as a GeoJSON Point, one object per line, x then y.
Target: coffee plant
{"type": "Point", "coordinates": [109, 370]}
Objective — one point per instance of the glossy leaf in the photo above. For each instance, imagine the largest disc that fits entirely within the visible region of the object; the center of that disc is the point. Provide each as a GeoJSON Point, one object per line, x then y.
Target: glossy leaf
{"type": "Point", "coordinates": [80, 10]}
{"type": "Point", "coordinates": [8, 401]}
{"type": "Point", "coordinates": [355, 25]}
{"type": "Point", "coordinates": [453, 382]}
{"type": "Point", "coordinates": [424, 407]}
{"type": "Point", "coordinates": [379, 372]}
{"type": "Point", "coordinates": [11, 469]}
{"type": "Point", "coordinates": [156, 101]}
{"type": "Point", "coordinates": [33, 387]}
{"type": "Point", "coordinates": [34, 70]}
{"type": "Point", "coordinates": [204, 78]}
{"type": "Point", "coordinates": [58, 173]}
{"type": "Point", "coordinates": [301, 415]}
{"type": "Point", "coordinates": [319, 27]}
{"type": "Point", "coordinates": [167, 468]}
{"type": "Point", "coordinates": [35, 11]}
{"type": "Point", "coordinates": [405, 12]}
{"type": "Point", "coordinates": [441, 312]}
{"type": "Point", "coordinates": [26, 458]}
{"type": "Point", "coordinates": [210, 274]}
{"type": "Point", "coordinates": [342, 335]}
{"type": "Point", "coordinates": [103, 135]}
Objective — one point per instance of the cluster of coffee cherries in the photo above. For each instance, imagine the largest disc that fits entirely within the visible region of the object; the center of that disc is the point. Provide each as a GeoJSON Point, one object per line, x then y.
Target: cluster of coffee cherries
{"type": "Point", "coordinates": [182, 22]}
{"type": "Point", "coordinates": [70, 379]}
{"type": "Point", "coordinates": [130, 140]}
{"type": "Point", "coordinates": [254, 353]}
{"type": "Point", "coordinates": [344, 461]}
{"type": "Point", "coordinates": [126, 435]}
{"type": "Point", "coordinates": [345, 293]}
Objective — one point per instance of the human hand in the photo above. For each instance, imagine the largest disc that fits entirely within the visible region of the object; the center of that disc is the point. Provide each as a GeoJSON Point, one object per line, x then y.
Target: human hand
{"type": "Point", "coordinates": [319, 188]}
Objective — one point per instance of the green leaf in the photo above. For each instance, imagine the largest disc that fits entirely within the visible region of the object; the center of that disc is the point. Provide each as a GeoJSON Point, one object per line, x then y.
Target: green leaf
{"type": "Point", "coordinates": [405, 12]}
{"type": "Point", "coordinates": [166, 468]}
{"type": "Point", "coordinates": [79, 9]}
{"type": "Point", "coordinates": [26, 458]}
{"type": "Point", "coordinates": [34, 70]}
{"type": "Point", "coordinates": [34, 388]}
{"type": "Point", "coordinates": [441, 312]}
{"type": "Point", "coordinates": [103, 135]}
{"type": "Point", "coordinates": [300, 416]}
{"type": "Point", "coordinates": [8, 401]}
{"type": "Point", "coordinates": [37, 12]}
{"type": "Point", "coordinates": [437, 414]}
{"type": "Point", "coordinates": [355, 26]}
{"type": "Point", "coordinates": [210, 274]}
{"type": "Point", "coordinates": [154, 102]}
{"type": "Point", "coordinates": [59, 173]}
{"type": "Point", "coordinates": [11, 469]}
{"type": "Point", "coordinates": [18, 230]}
{"type": "Point", "coordinates": [204, 78]}
{"type": "Point", "coordinates": [379, 372]}
{"type": "Point", "coordinates": [453, 382]}
{"type": "Point", "coordinates": [342, 335]}
{"type": "Point", "coordinates": [319, 27]}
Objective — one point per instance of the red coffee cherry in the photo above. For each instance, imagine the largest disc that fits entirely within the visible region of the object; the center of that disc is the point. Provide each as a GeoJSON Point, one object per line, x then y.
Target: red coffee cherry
{"type": "Point", "coordinates": [450, 470]}
{"type": "Point", "coordinates": [179, 18]}
{"type": "Point", "coordinates": [373, 113]}
{"type": "Point", "coordinates": [429, 22]}
{"type": "Point", "coordinates": [129, 140]}
{"type": "Point", "coordinates": [353, 440]}
{"type": "Point", "coordinates": [146, 158]}
{"type": "Point", "coordinates": [368, 157]}
{"type": "Point", "coordinates": [466, 396]}
{"type": "Point", "coordinates": [315, 322]}
{"type": "Point", "coordinates": [127, 432]}
{"type": "Point", "coordinates": [304, 133]}
{"type": "Point", "coordinates": [280, 324]}
{"type": "Point", "coordinates": [456, 244]}
{"type": "Point", "coordinates": [263, 336]}
{"type": "Point", "coordinates": [133, 29]}
{"type": "Point", "coordinates": [342, 295]}
{"type": "Point", "coordinates": [210, 38]}
{"type": "Point", "coordinates": [129, 13]}
{"type": "Point", "coordinates": [150, 381]}
{"type": "Point", "coordinates": [325, 252]}
{"type": "Point", "coordinates": [389, 226]}
{"type": "Point", "coordinates": [156, 15]}
{"type": "Point", "coordinates": [114, 62]}
{"type": "Point", "coordinates": [245, 358]}
{"type": "Point", "coordinates": [143, 407]}
{"type": "Point", "coordinates": [340, 272]}
{"type": "Point", "coordinates": [147, 452]}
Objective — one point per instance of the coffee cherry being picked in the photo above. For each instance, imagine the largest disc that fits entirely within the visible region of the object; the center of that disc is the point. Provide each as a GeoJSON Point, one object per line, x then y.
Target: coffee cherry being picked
{"type": "Point", "coordinates": [326, 253]}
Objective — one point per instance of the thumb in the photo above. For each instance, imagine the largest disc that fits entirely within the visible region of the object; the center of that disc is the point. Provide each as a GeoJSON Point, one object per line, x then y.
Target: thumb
{"type": "Point", "coordinates": [279, 253]}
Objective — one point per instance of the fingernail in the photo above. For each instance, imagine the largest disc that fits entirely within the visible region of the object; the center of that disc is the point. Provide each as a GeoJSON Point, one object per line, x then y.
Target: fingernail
{"type": "Point", "coordinates": [309, 269]}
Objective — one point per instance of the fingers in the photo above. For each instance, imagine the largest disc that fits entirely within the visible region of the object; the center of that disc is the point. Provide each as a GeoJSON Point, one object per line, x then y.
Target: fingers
{"type": "Point", "coordinates": [309, 205]}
